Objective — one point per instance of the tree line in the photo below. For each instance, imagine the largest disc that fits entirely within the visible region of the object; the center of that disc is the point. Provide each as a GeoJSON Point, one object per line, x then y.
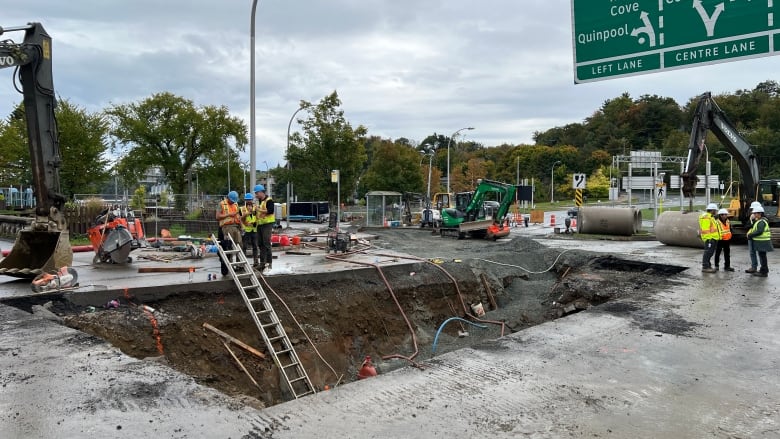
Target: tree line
{"type": "Point", "coordinates": [182, 140]}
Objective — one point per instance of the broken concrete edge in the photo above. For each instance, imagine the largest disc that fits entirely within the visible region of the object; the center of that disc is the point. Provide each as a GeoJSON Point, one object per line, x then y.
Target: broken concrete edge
{"type": "Point", "coordinates": [150, 294]}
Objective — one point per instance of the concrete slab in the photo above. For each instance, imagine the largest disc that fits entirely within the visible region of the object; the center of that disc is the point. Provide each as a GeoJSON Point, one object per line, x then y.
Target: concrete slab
{"type": "Point", "coordinates": [101, 282]}
{"type": "Point", "coordinates": [701, 360]}
{"type": "Point", "coordinates": [697, 360]}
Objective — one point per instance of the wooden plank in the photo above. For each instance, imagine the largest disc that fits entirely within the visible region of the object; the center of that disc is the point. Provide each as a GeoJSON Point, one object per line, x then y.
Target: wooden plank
{"type": "Point", "coordinates": [166, 269]}
{"type": "Point", "coordinates": [241, 365]}
{"type": "Point", "coordinates": [234, 340]}
{"type": "Point", "coordinates": [489, 292]}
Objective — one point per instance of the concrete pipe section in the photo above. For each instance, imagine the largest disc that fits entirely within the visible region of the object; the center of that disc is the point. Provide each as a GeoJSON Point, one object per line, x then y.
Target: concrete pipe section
{"type": "Point", "coordinates": [680, 229]}
{"type": "Point", "coordinates": [609, 220]}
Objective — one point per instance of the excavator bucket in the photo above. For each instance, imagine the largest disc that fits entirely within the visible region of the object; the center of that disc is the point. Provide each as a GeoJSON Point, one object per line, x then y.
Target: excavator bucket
{"type": "Point", "coordinates": [36, 252]}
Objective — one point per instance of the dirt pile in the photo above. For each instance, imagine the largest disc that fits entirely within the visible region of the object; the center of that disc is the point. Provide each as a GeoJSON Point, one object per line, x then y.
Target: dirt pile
{"type": "Point", "coordinates": [395, 312]}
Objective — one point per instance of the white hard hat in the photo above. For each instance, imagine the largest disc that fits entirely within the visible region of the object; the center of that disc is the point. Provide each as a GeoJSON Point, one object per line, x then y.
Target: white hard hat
{"type": "Point", "coordinates": [712, 206]}
{"type": "Point", "coordinates": [758, 209]}
{"type": "Point", "coordinates": [723, 212]}
{"type": "Point", "coordinates": [755, 204]}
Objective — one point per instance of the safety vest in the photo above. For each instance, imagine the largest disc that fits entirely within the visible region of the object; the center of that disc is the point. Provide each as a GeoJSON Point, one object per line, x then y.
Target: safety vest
{"type": "Point", "coordinates": [228, 209]}
{"type": "Point", "coordinates": [725, 230]}
{"type": "Point", "coordinates": [766, 235]}
{"type": "Point", "coordinates": [249, 219]}
{"type": "Point", "coordinates": [269, 217]}
{"type": "Point", "coordinates": [707, 228]}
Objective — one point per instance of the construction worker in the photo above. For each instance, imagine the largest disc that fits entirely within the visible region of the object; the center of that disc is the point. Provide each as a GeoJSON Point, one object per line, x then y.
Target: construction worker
{"type": "Point", "coordinates": [265, 226]}
{"type": "Point", "coordinates": [708, 232]}
{"type": "Point", "coordinates": [762, 240]}
{"type": "Point", "coordinates": [249, 224]}
{"type": "Point", "coordinates": [752, 251]}
{"type": "Point", "coordinates": [724, 243]}
{"type": "Point", "coordinates": [229, 218]}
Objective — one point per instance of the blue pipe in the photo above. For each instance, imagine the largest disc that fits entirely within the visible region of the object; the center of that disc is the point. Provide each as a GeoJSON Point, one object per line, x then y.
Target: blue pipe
{"type": "Point", "coordinates": [436, 339]}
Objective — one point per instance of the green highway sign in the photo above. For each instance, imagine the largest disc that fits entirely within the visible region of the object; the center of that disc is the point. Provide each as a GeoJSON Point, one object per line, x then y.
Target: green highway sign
{"type": "Point", "coordinates": [614, 38]}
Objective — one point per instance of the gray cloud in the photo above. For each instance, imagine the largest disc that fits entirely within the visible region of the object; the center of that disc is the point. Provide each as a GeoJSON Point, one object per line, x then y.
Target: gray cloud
{"type": "Point", "coordinates": [402, 68]}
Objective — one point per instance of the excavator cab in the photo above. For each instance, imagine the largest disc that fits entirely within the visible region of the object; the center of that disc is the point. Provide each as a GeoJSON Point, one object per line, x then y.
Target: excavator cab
{"type": "Point", "coordinates": [770, 192]}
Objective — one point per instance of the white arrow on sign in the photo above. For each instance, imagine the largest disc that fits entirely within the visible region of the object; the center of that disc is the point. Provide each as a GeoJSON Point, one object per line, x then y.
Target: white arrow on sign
{"type": "Point", "coordinates": [578, 181]}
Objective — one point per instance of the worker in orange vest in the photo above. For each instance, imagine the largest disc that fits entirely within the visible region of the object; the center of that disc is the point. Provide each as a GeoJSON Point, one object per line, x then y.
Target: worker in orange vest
{"type": "Point", "coordinates": [724, 243]}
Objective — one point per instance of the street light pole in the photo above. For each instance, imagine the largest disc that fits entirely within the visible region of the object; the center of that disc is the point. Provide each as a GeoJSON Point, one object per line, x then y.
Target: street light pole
{"type": "Point", "coordinates": [448, 155]}
{"type": "Point", "coordinates": [552, 182]}
{"type": "Point", "coordinates": [429, 151]}
{"type": "Point", "coordinates": [335, 177]}
{"type": "Point", "coordinates": [252, 142]}
{"type": "Point", "coordinates": [289, 164]}
{"type": "Point", "coordinates": [731, 170]}
{"type": "Point", "coordinates": [268, 179]}
{"type": "Point", "coordinates": [227, 152]}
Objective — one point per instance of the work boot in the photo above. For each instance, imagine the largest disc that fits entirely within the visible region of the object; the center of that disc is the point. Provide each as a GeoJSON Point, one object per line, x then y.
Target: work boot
{"type": "Point", "coordinates": [751, 270]}
{"type": "Point", "coordinates": [728, 269]}
{"type": "Point", "coordinates": [708, 270]}
{"type": "Point", "coordinates": [761, 274]}
{"type": "Point", "coordinates": [260, 266]}
{"type": "Point", "coordinates": [717, 268]}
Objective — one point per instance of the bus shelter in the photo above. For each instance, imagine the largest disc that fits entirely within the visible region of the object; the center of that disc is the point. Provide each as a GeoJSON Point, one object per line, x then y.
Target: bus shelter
{"type": "Point", "coordinates": [383, 209]}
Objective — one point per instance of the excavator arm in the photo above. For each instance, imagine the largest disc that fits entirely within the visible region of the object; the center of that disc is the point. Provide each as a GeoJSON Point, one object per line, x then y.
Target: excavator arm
{"type": "Point", "coordinates": [506, 193]}
{"type": "Point", "coordinates": [709, 117]}
{"type": "Point", "coordinates": [44, 246]}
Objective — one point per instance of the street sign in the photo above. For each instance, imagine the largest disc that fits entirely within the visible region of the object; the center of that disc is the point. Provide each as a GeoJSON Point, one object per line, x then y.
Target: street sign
{"type": "Point", "coordinates": [615, 38]}
{"type": "Point", "coordinates": [578, 181]}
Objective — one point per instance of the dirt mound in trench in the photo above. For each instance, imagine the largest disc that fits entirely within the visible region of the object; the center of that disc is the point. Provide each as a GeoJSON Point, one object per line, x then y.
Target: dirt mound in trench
{"type": "Point", "coordinates": [351, 314]}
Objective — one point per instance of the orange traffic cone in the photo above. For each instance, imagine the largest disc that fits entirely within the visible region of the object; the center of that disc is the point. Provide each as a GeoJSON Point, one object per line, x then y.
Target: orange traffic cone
{"type": "Point", "coordinates": [385, 222]}
{"type": "Point", "coordinates": [552, 220]}
{"type": "Point", "coordinates": [574, 223]}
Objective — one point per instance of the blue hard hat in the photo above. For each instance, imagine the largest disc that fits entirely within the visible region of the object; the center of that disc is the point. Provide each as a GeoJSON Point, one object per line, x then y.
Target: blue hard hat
{"type": "Point", "coordinates": [249, 197]}
{"type": "Point", "coordinates": [259, 188]}
{"type": "Point", "coordinates": [233, 196]}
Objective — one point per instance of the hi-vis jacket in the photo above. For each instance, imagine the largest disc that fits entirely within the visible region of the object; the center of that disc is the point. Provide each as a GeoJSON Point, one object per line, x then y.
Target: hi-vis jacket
{"type": "Point", "coordinates": [707, 228]}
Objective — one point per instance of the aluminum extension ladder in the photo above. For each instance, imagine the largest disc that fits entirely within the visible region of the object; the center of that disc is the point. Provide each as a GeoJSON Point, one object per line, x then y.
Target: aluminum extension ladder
{"type": "Point", "coordinates": [266, 320]}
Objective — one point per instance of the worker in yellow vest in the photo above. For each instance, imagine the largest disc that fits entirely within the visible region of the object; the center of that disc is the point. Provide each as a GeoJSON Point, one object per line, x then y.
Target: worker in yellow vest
{"type": "Point", "coordinates": [761, 237]}
{"type": "Point", "coordinates": [708, 232]}
{"type": "Point", "coordinates": [265, 226]}
{"type": "Point", "coordinates": [249, 224]}
{"type": "Point", "coordinates": [724, 243]}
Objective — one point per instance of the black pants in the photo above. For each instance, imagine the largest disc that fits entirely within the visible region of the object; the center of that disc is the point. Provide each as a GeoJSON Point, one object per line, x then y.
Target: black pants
{"type": "Point", "coordinates": [762, 259]}
{"type": "Point", "coordinates": [709, 250]}
{"type": "Point", "coordinates": [250, 240]}
{"type": "Point", "coordinates": [227, 244]}
{"type": "Point", "coordinates": [264, 236]}
{"type": "Point", "coordinates": [725, 247]}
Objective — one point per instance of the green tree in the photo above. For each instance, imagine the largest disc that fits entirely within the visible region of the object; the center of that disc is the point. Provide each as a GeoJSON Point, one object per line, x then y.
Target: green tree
{"type": "Point", "coordinates": [84, 164]}
{"type": "Point", "coordinates": [138, 201]}
{"type": "Point", "coordinates": [14, 151]}
{"type": "Point", "coordinates": [83, 167]}
{"type": "Point", "coordinates": [170, 132]}
{"type": "Point", "coordinates": [395, 168]}
{"type": "Point", "coordinates": [327, 142]}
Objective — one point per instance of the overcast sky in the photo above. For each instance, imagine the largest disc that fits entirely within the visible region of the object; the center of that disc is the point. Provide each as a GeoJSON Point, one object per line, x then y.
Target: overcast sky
{"type": "Point", "coordinates": [402, 68]}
